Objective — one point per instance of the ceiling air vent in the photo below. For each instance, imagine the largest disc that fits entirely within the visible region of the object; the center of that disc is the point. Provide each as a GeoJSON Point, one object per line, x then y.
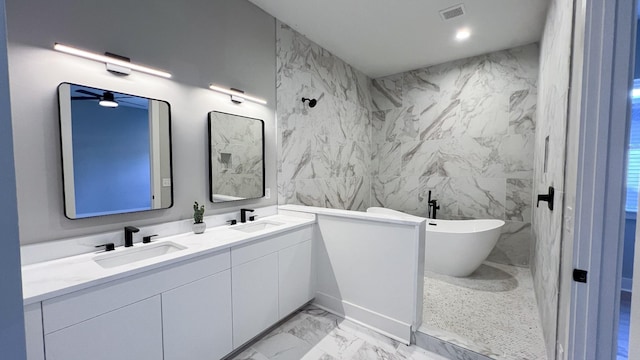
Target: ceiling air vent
{"type": "Point", "coordinates": [452, 12]}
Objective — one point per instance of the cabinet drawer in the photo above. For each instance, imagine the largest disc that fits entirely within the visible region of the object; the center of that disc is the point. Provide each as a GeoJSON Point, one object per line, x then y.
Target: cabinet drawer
{"type": "Point", "coordinates": [131, 332]}
{"type": "Point", "coordinates": [76, 307]}
{"type": "Point", "coordinates": [244, 253]}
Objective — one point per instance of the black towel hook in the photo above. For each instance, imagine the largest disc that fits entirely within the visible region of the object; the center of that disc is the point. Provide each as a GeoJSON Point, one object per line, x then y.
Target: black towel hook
{"type": "Point", "coordinates": [547, 197]}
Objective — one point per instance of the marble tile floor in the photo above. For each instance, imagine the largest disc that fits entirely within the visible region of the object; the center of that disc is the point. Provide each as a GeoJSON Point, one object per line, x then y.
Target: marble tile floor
{"type": "Point", "coordinates": [315, 334]}
{"type": "Point", "coordinates": [493, 312]}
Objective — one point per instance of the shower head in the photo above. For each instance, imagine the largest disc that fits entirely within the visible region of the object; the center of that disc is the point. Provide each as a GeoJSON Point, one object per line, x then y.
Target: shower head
{"type": "Point", "coordinates": [312, 102]}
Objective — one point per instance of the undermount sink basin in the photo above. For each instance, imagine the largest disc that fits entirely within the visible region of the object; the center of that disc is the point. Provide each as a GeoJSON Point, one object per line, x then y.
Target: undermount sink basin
{"type": "Point", "coordinates": [257, 226]}
{"type": "Point", "coordinates": [128, 256]}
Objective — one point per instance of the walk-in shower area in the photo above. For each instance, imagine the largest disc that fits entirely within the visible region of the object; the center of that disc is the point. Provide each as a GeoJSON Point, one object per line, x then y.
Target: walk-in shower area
{"type": "Point", "coordinates": [465, 137]}
{"type": "Point", "coordinates": [481, 138]}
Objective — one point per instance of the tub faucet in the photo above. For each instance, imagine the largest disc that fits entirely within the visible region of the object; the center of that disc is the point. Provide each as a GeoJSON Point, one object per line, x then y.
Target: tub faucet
{"type": "Point", "coordinates": [433, 207]}
{"type": "Point", "coordinates": [128, 235]}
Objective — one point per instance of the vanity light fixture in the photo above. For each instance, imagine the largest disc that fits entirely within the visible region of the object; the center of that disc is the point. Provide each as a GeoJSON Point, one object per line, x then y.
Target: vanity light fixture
{"type": "Point", "coordinates": [237, 96]}
{"type": "Point", "coordinates": [463, 34]}
{"type": "Point", "coordinates": [237, 99]}
{"type": "Point", "coordinates": [118, 62]}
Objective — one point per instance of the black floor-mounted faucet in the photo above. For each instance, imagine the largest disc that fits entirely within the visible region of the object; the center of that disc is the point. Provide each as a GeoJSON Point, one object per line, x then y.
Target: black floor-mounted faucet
{"type": "Point", "coordinates": [128, 235]}
{"type": "Point", "coordinates": [433, 207]}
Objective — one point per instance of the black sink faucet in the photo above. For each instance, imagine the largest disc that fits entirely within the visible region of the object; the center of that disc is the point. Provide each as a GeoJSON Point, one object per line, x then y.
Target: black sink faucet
{"type": "Point", "coordinates": [128, 235]}
{"type": "Point", "coordinates": [243, 214]}
{"type": "Point", "coordinates": [433, 207]}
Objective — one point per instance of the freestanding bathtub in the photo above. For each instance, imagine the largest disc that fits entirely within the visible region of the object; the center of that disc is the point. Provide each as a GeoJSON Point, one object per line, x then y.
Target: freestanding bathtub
{"type": "Point", "coordinates": [454, 247]}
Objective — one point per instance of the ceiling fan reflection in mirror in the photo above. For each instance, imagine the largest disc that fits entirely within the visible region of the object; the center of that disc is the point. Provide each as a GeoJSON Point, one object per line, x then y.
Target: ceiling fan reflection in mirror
{"type": "Point", "coordinates": [106, 99]}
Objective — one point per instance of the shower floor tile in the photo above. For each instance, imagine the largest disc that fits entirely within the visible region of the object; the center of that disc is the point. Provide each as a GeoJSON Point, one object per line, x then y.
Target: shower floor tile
{"type": "Point", "coordinates": [315, 334]}
{"type": "Point", "coordinates": [493, 309]}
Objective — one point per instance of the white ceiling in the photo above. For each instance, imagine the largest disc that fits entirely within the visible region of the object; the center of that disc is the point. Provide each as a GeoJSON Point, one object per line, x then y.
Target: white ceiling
{"type": "Point", "coordinates": [384, 37]}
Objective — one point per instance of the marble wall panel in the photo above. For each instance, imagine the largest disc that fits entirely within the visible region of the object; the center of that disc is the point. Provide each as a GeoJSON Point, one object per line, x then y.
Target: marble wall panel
{"type": "Point", "coordinates": [421, 158]}
{"type": "Point", "coordinates": [516, 154]}
{"type": "Point", "coordinates": [386, 93]}
{"type": "Point", "coordinates": [338, 193]}
{"type": "Point", "coordinates": [472, 156]}
{"type": "Point", "coordinates": [386, 159]}
{"type": "Point", "coordinates": [481, 198]}
{"type": "Point", "coordinates": [518, 205]}
{"type": "Point", "coordinates": [397, 124]}
{"type": "Point", "coordinates": [522, 111]}
{"type": "Point", "coordinates": [398, 193]}
{"type": "Point", "coordinates": [324, 152]}
{"type": "Point", "coordinates": [442, 121]}
{"type": "Point", "coordinates": [466, 130]}
{"type": "Point", "coordinates": [555, 53]}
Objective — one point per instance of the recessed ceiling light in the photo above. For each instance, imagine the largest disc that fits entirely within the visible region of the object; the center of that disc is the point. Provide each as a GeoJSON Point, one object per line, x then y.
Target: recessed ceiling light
{"type": "Point", "coordinates": [463, 34]}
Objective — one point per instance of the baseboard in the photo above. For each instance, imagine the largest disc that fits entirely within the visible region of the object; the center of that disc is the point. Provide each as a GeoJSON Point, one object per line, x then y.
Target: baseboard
{"type": "Point", "coordinates": [385, 325]}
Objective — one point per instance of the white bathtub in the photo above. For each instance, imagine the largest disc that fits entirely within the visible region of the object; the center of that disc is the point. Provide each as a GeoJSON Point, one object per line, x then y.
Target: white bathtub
{"type": "Point", "coordinates": [454, 247]}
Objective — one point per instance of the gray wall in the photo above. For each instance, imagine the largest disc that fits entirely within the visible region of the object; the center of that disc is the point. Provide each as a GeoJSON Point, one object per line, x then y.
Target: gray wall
{"type": "Point", "coordinates": [463, 130]}
{"type": "Point", "coordinates": [553, 91]}
{"type": "Point", "coordinates": [325, 151]}
{"type": "Point", "coordinates": [227, 42]}
{"type": "Point", "coordinates": [11, 311]}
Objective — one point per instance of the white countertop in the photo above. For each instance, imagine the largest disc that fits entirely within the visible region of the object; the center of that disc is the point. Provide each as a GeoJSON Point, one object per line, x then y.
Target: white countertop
{"type": "Point", "coordinates": [53, 278]}
{"type": "Point", "coordinates": [361, 215]}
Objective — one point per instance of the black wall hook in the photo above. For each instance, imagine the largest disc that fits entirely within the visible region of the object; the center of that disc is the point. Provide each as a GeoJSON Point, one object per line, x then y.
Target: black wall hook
{"type": "Point", "coordinates": [547, 197]}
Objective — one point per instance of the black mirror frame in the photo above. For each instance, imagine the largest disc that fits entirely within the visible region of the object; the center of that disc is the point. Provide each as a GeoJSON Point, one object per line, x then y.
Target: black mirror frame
{"type": "Point", "coordinates": [210, 136]}
{"type": "Point", "coordinates": [64, 195]}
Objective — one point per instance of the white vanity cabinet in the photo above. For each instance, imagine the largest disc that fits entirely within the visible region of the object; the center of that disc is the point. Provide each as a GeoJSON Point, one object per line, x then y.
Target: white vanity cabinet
{"type": "Point", "coordinates": [295, 277]}
{"type": "Point", "coordinates": [130, 332]}
{"type": "Point", "coordinates": [139, 316]}
{"type": "Point", "coordinates": [255, 297]}
{"type": "Point", "coordinates": [198, 308]}
{"type": "Point", "coordinates": [270, 279]}
{"type": "Point", "coordinates": [196, 319]}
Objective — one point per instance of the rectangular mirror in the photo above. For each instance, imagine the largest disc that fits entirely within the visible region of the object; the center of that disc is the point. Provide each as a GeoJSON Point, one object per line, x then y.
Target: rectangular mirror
{"type": "Point", "coordinates": [236, 157]}
{"type": "Point", "coordinates": [116, 152]}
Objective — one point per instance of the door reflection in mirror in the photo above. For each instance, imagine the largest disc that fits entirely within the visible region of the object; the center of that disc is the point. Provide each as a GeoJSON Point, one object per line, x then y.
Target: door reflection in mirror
{"type": "Point", "coordinates": [116, 152]}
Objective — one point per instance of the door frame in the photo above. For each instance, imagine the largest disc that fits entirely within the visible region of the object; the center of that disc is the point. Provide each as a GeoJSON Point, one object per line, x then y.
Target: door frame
{"type": "Point", "coordinates": [597, 241]}
{"type": "Point", "coordinates": [12, 333]}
